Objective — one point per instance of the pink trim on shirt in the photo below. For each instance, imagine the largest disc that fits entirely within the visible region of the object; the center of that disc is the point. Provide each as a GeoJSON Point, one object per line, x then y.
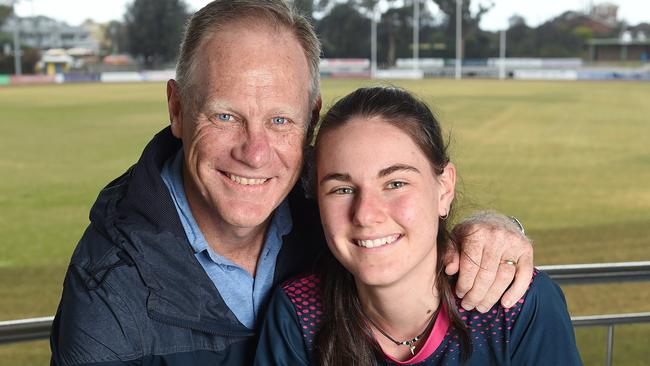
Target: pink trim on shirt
{"type": "Point", "coordinates": [433, 341]}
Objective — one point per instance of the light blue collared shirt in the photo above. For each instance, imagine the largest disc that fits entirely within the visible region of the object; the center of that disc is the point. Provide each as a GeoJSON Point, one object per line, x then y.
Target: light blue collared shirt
{"type": "Point", "coordinates": [243, 294]}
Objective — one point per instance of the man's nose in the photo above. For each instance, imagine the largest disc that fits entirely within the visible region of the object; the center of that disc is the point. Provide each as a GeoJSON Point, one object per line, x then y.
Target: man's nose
{"type": "Point", "coordinates": [368, 209]}
{"type": "Point", "coordinates": [255, 148]}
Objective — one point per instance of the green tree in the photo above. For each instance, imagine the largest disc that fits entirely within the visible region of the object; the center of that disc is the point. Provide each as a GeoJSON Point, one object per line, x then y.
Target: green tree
{"type": "Point", "coordinates": [305, 7]}
{"type": "Point", "coordinates": [5, 12]}
{"type": "Point", "coordinates": [562, 36]}
{"type": "Point", "coordinates": [308, 7]}
{"type": "Point", "coordinates": [116, 38]}
{"type": "Point", "coordinates": [472, 36]}
{"type": "Point", "coordinates": [584, 32]}
{"type": "Point", "coordinates": [30, 56]}
{"type": "Point", "coordinates": [521, 40]}
{"type": "Point", "coordinates": [396, 32]}
{"type": "Point", "coordinates": [154, 29]}
{"type": "Point", "coordinates": [557, 39]}
{"type": "Point", "coordinates": [28, 60]}
{"type": "Point", "coordinates": [389, 27]}
{"type": "Point", "coordinates": [344, 32]}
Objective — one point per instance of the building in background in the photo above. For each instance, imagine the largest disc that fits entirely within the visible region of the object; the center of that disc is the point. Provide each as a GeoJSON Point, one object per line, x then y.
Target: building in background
{"type": "Point", "coordinates": [628, 47]}
{"type": "Point", "coordinates": [606, 12]}
{"type": "Point", "coordinates": [54, 61]}
{"type": "Point", "coordinates": [45, 33]}
{"type": "Point", "coordinates": [62, 48]}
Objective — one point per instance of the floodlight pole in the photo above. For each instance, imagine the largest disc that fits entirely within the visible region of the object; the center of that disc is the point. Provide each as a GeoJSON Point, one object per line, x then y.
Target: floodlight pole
{"type": "Point", "coordinates": [373, 43]}
{"type": "Point", "coordinates": [459, 39]}
{"type": "Point", "coordinates": [416, 34]}
{"type": "Point", "coordinates": [502, 55]}
{"type": "Point", "coordinates": [18, 69]}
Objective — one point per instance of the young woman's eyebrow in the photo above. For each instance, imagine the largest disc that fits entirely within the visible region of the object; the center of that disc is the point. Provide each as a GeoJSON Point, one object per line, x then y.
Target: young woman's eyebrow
{"type": "Point", "coordinates": [396, 168]}
{"type": "Point", "coordinates": [344, 177]}
{"type": "Point", "coordinates": [336, 176]}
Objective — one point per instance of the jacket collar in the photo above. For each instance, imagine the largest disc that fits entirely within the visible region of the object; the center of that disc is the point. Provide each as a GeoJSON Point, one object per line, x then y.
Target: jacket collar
{"type": "Point", "coordinates": [142, 220]}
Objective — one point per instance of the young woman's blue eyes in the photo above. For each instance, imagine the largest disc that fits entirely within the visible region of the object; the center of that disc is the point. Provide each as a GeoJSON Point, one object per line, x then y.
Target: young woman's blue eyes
{"type": "Point", "coordinates": [349, 190]}
{"type": "Point", "coordinates": [343, 190]}
{"type": "Point", "coordinates": [279, 120]}
{"type": "Point", "coordinates": [396, 184]}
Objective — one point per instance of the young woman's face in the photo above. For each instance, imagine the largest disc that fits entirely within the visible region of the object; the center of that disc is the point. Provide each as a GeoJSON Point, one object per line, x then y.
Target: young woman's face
{"type": "Point", "coordinates": [379, 201]}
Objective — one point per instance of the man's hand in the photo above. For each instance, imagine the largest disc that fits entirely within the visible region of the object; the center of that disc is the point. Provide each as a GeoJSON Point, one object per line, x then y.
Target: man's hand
{"type": "Point", "coordinates": [493, 250]}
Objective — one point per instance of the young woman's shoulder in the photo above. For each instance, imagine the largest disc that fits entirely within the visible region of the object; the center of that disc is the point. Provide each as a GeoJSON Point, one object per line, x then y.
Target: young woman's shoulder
{"type": "Point", "coordinates": [292, 319]}
{"type": "Point", "coordinates": [304, 294]}
{"type": "Point", "coordinates": [544, 324]}
{"type": "Point", "coordinates": [302, 286]}
{"type": "Point", "coordinates": [526, 331]}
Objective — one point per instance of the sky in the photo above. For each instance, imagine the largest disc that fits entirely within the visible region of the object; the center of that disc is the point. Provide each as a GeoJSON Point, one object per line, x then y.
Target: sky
{"type": "Point", "coordinates": [534, 11]}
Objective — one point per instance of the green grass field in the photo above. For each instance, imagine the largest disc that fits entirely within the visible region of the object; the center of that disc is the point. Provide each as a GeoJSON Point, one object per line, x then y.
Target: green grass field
{"type": "Point", "coordinates": [570, 159]}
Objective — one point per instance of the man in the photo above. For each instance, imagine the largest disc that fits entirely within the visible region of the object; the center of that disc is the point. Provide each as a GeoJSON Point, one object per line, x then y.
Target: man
{"type": "Point", "coordinates": [183, 249]}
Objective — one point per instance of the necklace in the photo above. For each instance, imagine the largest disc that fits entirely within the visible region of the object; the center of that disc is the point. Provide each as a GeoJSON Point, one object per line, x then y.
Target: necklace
{"type": "Point", "coordinates": [409, 342]}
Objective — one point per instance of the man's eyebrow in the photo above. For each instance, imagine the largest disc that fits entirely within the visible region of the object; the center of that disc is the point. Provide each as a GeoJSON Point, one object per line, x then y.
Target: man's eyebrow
{"type": "Point", "coordinates": [217, 104]}
{"type": "Point", "coordinates": [396, 168]}
{"type": "Point", "coordinates": [336, 176]}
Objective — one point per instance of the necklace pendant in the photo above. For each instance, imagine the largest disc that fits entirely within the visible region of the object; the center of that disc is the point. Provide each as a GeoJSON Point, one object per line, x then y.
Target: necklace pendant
{"type": "Point", "coordinates": [412, 348]}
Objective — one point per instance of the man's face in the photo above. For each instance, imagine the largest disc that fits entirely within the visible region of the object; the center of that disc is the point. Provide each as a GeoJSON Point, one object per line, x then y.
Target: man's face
{"type": "Point", "coordinates": [244, 134]}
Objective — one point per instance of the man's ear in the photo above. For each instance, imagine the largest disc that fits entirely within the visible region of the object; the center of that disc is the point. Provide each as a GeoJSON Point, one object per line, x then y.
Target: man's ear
{"type": "Point", "coordinates": [313, 121]}
{"type": "Point", "coordinates": [175, 108]}
{"type": "Point", "coordinates": [447, 182]}
{"type": "Point", "coordinates": [315, 112]}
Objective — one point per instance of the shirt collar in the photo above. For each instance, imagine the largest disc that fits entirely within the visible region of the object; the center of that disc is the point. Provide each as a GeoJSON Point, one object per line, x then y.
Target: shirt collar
{"type": "Point", "coordinates": [172, 174]}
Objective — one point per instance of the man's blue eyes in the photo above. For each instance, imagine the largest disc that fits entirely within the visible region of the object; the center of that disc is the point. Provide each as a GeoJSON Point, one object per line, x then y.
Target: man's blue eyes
{"type": "Point", "coordinates": [224, 117]}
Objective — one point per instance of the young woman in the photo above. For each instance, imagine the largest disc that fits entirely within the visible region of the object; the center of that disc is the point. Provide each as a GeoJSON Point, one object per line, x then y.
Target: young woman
{"type": "Point", "coordinates": [385, 187]}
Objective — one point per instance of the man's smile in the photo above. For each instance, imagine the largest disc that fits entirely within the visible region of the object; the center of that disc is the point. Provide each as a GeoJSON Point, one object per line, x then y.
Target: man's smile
{"type": "Point", "coordinates": [245, 181]}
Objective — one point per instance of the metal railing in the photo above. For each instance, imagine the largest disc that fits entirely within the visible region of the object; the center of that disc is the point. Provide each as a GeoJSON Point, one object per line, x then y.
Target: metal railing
{"type": "Point", "coordinates": [25, 329]}
{"type": "Point", "coordinates": [582, 274]}
{"type": "Point", "coordinates": [571, 274]}
{"type": "Point", "coordinates": [592, 273]}
{"type": "Point", "coordinates": [609, 321]}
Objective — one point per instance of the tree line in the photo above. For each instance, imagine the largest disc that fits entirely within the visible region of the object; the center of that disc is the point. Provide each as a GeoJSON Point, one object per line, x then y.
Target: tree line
{"type": "Point", "coordinates": [151, 31]}
{"type": "Point", "coordinates": [343, 27]}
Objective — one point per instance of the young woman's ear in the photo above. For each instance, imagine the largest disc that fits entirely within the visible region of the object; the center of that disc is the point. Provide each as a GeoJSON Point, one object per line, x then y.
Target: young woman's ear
{"type": "Point", "coordinates": [447, 182]}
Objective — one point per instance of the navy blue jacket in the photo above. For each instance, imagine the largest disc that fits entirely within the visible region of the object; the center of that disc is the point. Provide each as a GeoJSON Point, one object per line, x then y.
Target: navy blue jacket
{"type": "Point", "coordinates": [134, 292]}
